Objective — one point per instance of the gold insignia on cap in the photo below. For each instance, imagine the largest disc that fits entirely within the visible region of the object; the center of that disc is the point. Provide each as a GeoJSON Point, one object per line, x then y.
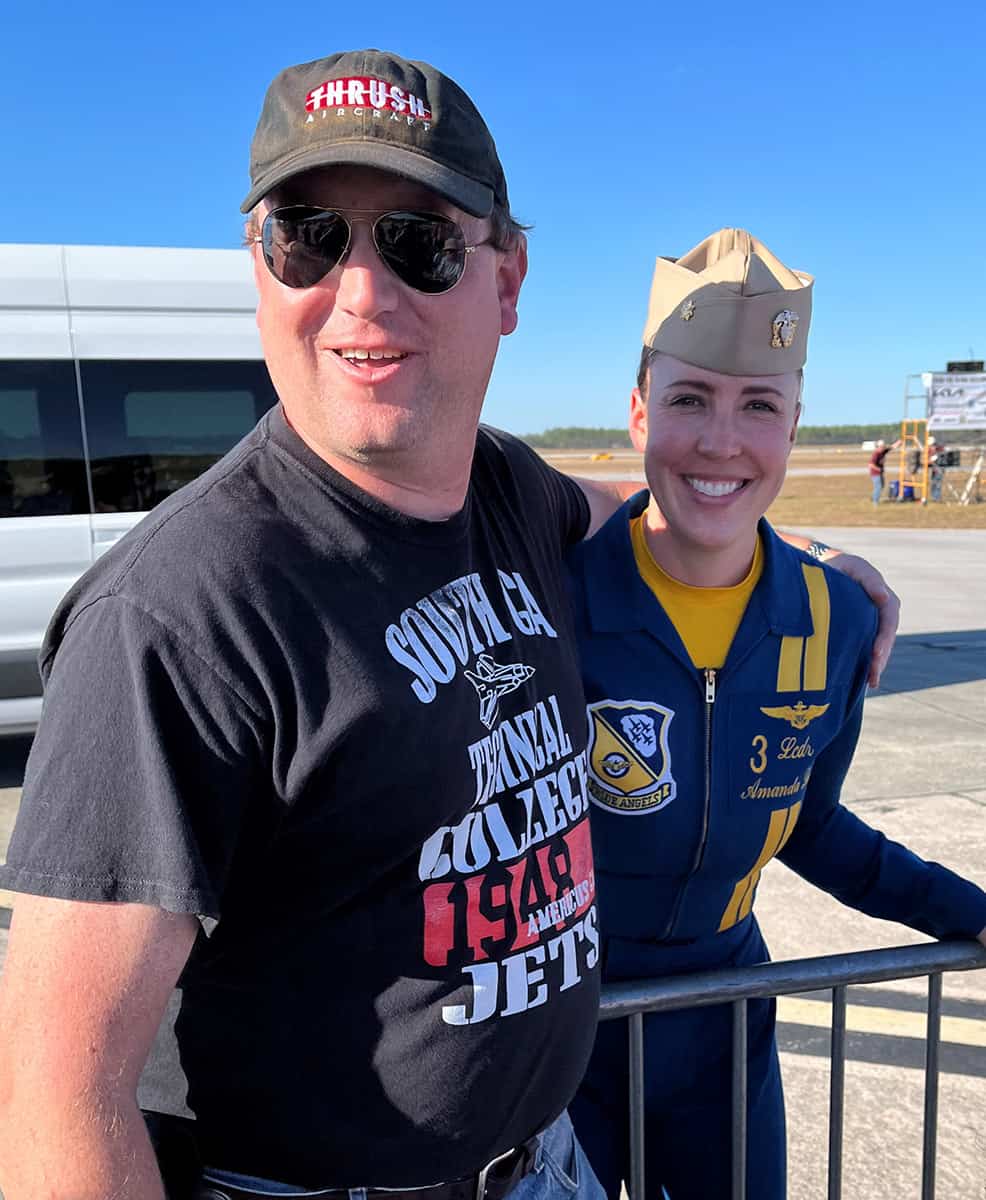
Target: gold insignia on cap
{"type": "Point", "coordinates": [743, 291]}
{"type": "Point", "coordinates": [783, 329]}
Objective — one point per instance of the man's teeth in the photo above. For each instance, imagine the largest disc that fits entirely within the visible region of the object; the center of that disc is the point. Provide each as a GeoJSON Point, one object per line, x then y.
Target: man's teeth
{"type": "Point", "coordinates": [708, 488]}
{"type": "Point", "coordinates": [375, 355]}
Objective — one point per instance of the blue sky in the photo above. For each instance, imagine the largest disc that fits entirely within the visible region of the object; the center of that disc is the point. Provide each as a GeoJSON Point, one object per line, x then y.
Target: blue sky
{"type": "Point", "coordinates": [849, 137]}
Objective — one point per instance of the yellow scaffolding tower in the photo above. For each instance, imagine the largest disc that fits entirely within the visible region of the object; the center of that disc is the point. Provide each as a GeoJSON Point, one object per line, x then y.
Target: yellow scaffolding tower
{"type": "Point", "coordinates": [913, 447]}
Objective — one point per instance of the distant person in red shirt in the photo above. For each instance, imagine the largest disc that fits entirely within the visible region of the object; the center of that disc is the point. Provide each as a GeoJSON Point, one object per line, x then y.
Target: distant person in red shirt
{"type": "Point", "coordinates": [876, 466]}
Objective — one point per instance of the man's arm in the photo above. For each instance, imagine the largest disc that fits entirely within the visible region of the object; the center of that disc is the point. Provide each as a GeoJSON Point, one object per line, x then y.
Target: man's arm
{"type": "Point", "coordinates": [605, 498]}
{"type": "Point", "coordinates": [83, 991]}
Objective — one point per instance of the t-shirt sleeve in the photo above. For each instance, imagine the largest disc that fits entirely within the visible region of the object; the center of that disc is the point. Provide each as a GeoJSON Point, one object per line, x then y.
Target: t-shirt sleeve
{"type": "Point", "coordinates": [142, 772]}
{"type": "Point", "coordinates": [553, 492]}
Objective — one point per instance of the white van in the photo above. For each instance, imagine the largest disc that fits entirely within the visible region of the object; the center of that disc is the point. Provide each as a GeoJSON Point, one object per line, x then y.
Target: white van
{"type": "Point", "coordinates": [124, 373]}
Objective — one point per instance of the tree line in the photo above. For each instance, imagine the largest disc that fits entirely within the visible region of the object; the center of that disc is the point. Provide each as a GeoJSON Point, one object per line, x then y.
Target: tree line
{"type": "Point", "coordinates": [579, 437]}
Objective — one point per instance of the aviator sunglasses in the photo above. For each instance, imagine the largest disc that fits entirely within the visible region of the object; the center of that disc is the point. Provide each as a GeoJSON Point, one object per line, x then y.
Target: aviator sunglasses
{"type": "Point", "coordinates": [301, 244]}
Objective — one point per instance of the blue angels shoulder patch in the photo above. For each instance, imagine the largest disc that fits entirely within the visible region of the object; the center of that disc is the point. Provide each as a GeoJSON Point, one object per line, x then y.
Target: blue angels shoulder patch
{"type": "Point", "coordinates": [629, 758]}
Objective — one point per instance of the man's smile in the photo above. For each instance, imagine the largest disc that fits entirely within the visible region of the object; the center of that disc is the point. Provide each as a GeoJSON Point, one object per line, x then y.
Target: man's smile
{"type": "Point", "coordinates": [356, 355]}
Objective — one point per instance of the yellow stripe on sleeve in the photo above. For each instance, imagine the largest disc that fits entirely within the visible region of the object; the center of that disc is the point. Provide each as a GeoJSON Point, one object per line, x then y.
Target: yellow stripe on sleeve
{"type": "Point", "coordinates": [817, 646]}
{"type": "Point", "coordinates": [789, 664]}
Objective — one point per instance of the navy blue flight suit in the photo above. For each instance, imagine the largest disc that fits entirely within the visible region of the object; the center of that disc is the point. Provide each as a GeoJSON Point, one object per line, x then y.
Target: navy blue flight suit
{"type": "Point", "coordinates": [698, 779]}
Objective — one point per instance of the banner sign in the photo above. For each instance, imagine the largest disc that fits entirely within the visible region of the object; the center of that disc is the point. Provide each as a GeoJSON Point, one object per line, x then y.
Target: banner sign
{"type": "Point", "coordinates": [956, 401]}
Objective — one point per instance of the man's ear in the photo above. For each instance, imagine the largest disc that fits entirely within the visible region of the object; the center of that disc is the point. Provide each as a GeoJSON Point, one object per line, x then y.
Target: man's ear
{"type": "Point", "coordinates": [638, 420]}
{"type": "Point", "coordinates": [509, 276]}
{"type": "Point", "coordinates": [259, 273]}
{"type": "Point", "coordinates": [256, 254]}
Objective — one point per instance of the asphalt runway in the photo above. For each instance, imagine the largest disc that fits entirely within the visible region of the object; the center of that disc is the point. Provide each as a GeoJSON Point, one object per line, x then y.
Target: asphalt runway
{"type": "Point", "coordinates": [920, 776]}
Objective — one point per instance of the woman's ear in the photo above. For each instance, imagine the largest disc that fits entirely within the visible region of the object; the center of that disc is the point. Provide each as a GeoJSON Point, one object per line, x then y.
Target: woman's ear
{"type": "Point", "coordinates": [638, 420]}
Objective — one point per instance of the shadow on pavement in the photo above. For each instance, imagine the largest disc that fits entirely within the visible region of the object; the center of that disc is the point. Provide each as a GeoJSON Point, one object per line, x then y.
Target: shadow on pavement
{"type": "Point", "coordinates": [927, 660]}
{"type": "Point", "coordinates": [883, 1049]}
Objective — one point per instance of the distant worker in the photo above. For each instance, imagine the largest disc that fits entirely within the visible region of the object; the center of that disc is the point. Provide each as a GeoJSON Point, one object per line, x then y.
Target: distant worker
{"type": "Point", "coordinates": [876, 466]}
{"type": "Point", "coordinates": [936, 468]}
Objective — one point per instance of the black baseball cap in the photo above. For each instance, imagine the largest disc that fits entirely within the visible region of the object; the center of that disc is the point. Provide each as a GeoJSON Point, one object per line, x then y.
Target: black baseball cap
{"type": "Point", "coordinates": [375, 109]}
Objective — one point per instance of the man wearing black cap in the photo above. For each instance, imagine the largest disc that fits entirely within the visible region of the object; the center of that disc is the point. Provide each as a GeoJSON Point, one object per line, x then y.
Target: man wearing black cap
{"type": "Point", "coordinates": [340, 795]}
{"type": "Point", "coordinates": [340, 792]}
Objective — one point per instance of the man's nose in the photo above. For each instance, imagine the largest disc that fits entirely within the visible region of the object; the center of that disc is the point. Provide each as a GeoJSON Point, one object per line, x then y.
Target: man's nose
{"type": "Point", "coordinates": [364, 285]}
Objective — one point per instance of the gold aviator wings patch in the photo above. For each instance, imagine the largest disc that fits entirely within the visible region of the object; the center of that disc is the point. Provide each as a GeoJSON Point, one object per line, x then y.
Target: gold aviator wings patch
{"type": "Point", "coordinates": [800, 715]}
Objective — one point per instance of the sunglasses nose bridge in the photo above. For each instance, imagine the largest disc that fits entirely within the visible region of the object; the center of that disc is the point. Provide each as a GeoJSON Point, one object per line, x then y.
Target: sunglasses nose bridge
{"type": "Point", "coordinates": [366, 238]}
{"type": "Point", "coordinates": [364, 283]}
{"type": "Point", "coordinates": [361, 244]}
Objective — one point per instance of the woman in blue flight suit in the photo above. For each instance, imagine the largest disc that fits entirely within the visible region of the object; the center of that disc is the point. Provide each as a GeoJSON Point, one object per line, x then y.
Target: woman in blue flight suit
{"type": "Point", "coordinates": [724, 673]}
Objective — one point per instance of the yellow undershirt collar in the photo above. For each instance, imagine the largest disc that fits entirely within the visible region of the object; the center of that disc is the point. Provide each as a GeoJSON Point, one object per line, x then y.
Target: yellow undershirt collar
{"type": "Point", "coordinates": [705, 618]}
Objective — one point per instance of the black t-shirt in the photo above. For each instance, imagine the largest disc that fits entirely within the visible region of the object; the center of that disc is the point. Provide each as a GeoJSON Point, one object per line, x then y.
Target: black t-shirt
{"type": "Point", "coordinates": [357, 739]}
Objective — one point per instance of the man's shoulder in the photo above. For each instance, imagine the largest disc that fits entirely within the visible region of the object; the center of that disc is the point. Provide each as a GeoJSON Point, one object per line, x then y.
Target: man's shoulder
{"type": "Point", "coordinates": [508, 473]}
{"type": "Point", "coordinates": [206, 517]}
{"type": "Point", "coordinates": [198, 547]}
{"type": "Point", "coordinates": [497, 447]}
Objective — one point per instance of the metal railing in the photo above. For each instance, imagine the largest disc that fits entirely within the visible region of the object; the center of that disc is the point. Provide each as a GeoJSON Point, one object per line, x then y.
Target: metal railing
{"type": "Point", "coordinates": [739, 984]}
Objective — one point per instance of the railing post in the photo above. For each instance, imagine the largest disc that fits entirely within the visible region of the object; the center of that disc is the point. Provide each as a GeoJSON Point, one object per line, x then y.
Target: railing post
{"type": "Point", "coordinates": [837, 1088]}
{"type": "Point", "coordinates": [631, 999]}
{"type": "Point", "coordinates": [739, 1100]}
{"type": "Point", "coordinates": [931, 1087]}
{"type": "Point", "coordinates": [636, 1050]}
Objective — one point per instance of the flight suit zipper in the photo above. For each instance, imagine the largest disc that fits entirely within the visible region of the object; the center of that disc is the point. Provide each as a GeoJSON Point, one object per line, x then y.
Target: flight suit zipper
{"type": "Point", "coordinates": [710, 676]}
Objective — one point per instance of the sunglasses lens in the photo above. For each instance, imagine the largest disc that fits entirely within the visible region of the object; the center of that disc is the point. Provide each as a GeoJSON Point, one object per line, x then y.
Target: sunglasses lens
{"type": "Point", "coordinates": [301, 245]}
{"type": "Point", "coordinates": [426, 251]}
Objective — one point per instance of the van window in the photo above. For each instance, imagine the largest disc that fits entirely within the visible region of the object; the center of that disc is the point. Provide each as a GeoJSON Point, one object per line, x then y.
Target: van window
{"type": "Point", "coordinates": [42, 467]}
{"type": "Point", "coordinates": [155, 426]}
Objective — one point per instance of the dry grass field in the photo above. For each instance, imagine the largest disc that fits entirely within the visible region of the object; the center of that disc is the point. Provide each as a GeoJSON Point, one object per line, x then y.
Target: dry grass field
{"type": "Point", "coordinates": [825, 486]}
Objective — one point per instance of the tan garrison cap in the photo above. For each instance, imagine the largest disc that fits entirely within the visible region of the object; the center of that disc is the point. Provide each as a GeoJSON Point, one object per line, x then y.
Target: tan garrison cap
{"type": "Point", "coordinates": [729, 305]}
